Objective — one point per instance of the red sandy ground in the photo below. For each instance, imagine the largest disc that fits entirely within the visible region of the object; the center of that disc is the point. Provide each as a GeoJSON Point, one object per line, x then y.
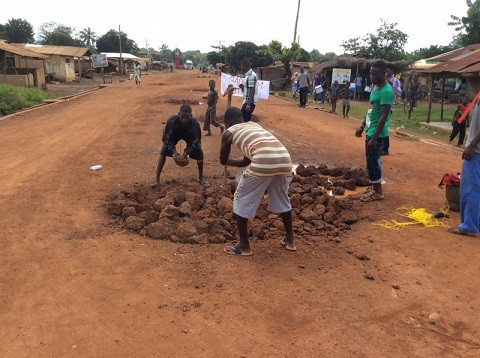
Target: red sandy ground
{"type": "Point", "coordinates": [71, 284]}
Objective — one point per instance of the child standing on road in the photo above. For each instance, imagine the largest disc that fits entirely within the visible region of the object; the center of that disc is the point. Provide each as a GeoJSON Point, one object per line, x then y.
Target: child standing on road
{"type": "Point", "coordinates": [334, 96]}
{"type": "Point", "coordinates": [345, 95]}
{"type": "Point", "coordinates": [211, 113]}
{"type": "Point", "coordinates": [459, 127]}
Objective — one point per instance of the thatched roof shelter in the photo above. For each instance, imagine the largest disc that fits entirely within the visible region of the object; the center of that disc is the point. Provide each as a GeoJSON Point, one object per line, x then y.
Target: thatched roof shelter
{"type": "Point", "coordinates": [352, 61]}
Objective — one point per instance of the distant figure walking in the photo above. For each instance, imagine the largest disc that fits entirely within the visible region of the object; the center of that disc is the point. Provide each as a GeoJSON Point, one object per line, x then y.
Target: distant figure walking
{"type": "Point", "coordinates": [136, 74]}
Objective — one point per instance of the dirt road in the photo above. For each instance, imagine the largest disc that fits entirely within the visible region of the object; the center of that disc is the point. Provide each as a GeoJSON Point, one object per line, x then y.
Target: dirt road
{"type": "Point", "coordinates": [74, 284]}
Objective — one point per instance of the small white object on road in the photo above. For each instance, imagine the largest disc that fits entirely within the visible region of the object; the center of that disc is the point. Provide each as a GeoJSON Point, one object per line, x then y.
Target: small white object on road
{"type": "Point", "coordinates": [96, 167]}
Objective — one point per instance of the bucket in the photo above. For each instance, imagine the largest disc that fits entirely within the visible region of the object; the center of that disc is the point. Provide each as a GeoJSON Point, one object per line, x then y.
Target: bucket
{"type": "Point", "coordinates": [452, 194]}
{"type": "Point", "coordinates": [131, 76]}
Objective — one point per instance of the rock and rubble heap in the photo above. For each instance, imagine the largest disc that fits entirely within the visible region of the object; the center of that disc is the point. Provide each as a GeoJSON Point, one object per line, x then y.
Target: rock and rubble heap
{"type": "Point", "coordinates": [196, 215]}
{"type": "Point", "coordinates": [182, 101]}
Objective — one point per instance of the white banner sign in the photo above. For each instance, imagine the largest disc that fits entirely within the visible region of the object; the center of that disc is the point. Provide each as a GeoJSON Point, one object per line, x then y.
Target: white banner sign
{"type": "Point", "coordinates": [263, 86]}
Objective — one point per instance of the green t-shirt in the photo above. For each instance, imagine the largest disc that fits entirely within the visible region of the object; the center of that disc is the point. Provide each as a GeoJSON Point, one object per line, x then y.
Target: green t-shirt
{"type": "Point", "coordinates": [378, 97]}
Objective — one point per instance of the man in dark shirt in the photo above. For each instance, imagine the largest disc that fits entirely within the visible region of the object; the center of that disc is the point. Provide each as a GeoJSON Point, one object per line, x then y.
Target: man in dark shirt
{"type": "Point", "coordinates": [182, 126]}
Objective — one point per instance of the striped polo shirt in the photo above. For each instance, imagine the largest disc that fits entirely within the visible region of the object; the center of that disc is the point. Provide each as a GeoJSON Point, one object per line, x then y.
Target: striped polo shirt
{"type": "Point", "coordinates": [268, 155]}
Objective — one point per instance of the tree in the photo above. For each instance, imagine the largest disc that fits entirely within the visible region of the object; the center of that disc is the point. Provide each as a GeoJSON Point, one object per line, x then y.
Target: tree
{"type": "Point", "coordinates": [328, 56]}
{"type": "Point", "coordinates": [352, 45]}
{"type": "Point", "coordinates": [304, 56]}
{"type": "Point", "coordinates": [88, 37]}
{"type": "Point", "coordinates": [386, 43]}
{"type": "Point", "coordinates": [196, 56]}
{"type": "Point", "coordinates": [2, 31]}
{"type": "Point", "coordinates": [109, 42]}
{"type": "Point", "coordinates": [315, 55]}
{"type": "Point", "coordinates": [52, 33]}
{"type": "Point", "coordinates": [467, 27]}
{"type": "Point", "coordinates": [286, 55]}
{"type": "Point", "coordinates": [18, 30]}
{"type": "Point", "coordinates": [427, 52]}
{"type": "Point", "coordinates": [214, 57]}
{"type": "Point", "coordinates": [258, 55]}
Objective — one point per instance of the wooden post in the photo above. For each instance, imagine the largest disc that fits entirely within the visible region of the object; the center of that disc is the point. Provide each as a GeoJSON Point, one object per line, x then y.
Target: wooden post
{"type": "Point", "coordinates": [79, 70]}
{"type": "Point", "coordinates": [355, 80]}
{"type": "Point", "coordinates": [443, 93]}
{"type": "Point", "coordinates": [430, 98]}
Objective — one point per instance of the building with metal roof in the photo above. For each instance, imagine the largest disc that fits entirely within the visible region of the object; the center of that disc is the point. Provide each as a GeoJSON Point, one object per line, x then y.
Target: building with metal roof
{"type": "Point", "coordinates": [60, 64]}
{"type": "Point", "coordinates": [21, 67]}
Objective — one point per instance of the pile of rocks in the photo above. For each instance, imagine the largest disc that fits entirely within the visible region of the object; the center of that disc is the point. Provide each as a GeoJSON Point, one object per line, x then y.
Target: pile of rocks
{"type": "Point", "coordinates": [182, 101]}
{"type": "Point", "coordinates": [197, 215]}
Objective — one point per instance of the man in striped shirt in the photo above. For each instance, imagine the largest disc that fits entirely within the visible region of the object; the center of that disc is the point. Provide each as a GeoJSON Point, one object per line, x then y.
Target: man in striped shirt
{"type": "Point", "coordinates": [269, 170]}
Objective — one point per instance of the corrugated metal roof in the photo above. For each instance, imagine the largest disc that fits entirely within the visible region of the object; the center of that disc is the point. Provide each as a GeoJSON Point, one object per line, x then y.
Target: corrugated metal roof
{"type": "Point", "coordinates": [452, 54]}
{"type": "Point", "coordinates": [4, 45]}
{"type": "Point", "coordinates": [70, 51]}
{"type": "Point", "coordinates": [467, 63]}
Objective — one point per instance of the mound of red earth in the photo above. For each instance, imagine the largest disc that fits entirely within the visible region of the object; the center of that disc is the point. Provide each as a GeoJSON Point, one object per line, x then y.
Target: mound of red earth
{"type": "Point", "coordinates": [182, 101]}
{"type": "Point", "coordinates": [196, 215]}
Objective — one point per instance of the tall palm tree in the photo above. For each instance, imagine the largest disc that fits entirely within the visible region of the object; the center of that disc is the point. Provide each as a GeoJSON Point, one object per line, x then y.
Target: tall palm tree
{"type": "Point", "coordinates": [88, 37]}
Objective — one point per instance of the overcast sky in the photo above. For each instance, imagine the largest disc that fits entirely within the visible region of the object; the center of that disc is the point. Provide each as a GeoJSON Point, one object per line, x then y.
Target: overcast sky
{"type": "Point", "coordinates": [192, 24]}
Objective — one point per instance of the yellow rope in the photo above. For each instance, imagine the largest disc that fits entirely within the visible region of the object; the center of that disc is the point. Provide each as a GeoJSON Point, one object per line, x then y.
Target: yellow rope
{"type": "Point", "coordinates": [417, 216]}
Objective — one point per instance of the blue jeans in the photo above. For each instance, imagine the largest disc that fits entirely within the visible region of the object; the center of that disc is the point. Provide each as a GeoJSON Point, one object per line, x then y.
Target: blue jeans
{"type": "Point", "coordinates": [374, 161]}
{"type": "Point", "coordinates": [470, 195]}
{"type": "Point", "coordinates": [322, 96]}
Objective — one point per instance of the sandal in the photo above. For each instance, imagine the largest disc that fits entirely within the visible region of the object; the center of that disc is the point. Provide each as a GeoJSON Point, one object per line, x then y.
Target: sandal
{"type": "Point", "coordinates": [232, 250]}
{"type": "Point", "coordinates": [457, 231]}
{"type": "Point", "coordinates": [288, 247]}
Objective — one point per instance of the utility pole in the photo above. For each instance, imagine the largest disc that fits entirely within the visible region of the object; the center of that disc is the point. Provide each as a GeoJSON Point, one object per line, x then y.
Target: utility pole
{"type": "Point", "coordinates": [296, 22]}
{"type": "Point", "coordinates": [298, 40]}
{"type": "Point", "coordinates": [120, 42]}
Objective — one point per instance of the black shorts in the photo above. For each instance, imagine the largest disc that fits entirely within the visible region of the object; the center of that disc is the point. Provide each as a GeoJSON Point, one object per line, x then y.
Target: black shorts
{"type": "Point", "coordinates": [196, 153]}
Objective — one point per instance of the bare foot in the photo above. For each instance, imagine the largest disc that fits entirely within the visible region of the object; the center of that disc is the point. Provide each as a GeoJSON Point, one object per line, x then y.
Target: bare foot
{"type": "Point", "coordinates": [154, 184]}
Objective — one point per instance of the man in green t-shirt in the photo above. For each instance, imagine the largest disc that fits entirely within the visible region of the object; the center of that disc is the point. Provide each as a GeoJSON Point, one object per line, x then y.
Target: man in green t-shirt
{"type": "Point", "coordinates": [376, 128]}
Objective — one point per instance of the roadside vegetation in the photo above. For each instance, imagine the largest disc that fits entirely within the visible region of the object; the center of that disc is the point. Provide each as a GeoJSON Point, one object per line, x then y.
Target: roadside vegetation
{"type": "Point", "coordinates": [14, 99]}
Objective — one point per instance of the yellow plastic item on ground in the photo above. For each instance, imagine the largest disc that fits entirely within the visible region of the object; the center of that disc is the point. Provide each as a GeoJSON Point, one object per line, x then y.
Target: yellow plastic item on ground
{"type": "Point", "coordinates": [417, 217]}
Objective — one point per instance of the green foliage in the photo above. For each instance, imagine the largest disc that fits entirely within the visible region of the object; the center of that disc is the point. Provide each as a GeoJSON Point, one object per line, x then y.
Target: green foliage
{"type": "Point", "coordinates": [51, 33]}
{"type": "Point", "coordinates": [2, 32]}
{"type": "Point", "coordinates": [304, 56]}
{"type": "Point", "coordinates": [214, 57]}
{"type": "Point", "coordinates": [287, 55]}
{"type": "Point", "coordinates": [13, 98]}
{"type": "Point", "coordinates": [18, 30]}
{"type": "Point", "coordinates": [467, 27]}
{"type": "Point", "coordinates": [427, 52]}
{"type": "Point", "coordinates": [196, 56]}
{"type": "Point", "coordinates": [353, 45]}
{"type": "Point", "coordinates": [386, 43]}
{"type": "Point", "coordinates": [258, 55]}
{"type": "Point", "coordinates": [316, 56]}
{"type": "Point", "coordinates": [88, 37]}
{"type": "Point", "coordinates": [165, 54]}
{"type": "Point", "coordinates": [109, 42]}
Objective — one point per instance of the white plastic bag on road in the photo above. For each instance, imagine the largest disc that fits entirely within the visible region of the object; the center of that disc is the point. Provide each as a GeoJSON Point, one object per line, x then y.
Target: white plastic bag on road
{"type": "Point", "coordinates": [96, 167]}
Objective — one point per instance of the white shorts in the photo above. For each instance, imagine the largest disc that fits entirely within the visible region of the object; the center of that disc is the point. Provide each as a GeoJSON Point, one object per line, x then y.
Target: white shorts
{"type": "Point", "coordinates": [250, 192]}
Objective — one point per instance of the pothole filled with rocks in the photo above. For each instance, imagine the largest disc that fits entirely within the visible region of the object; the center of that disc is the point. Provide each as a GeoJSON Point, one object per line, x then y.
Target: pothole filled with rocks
{"type": "Point", "coordinates": [190, 214]}
{"type": "Point", "coordinates": [182, 101]}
